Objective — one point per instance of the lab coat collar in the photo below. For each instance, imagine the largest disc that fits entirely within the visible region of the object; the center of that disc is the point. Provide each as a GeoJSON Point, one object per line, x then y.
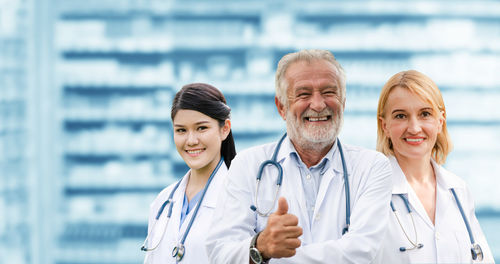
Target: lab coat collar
{"type": "Point", "coordinates": [210, 198]}
{"type": "Point", "coordinates": [287, 149]}
{"type": "Point", "coordinates": [400, 184]}
{"type": "Point", "coordinates": [445, 178]}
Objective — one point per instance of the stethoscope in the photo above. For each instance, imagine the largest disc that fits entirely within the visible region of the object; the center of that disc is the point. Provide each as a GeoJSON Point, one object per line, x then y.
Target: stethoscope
{"type": "Point", "coordinates": [179, 251]}
{"type": "Point", "coordinates": [279, 180]}
{"type": "Point", "coordinates": [476, 251]}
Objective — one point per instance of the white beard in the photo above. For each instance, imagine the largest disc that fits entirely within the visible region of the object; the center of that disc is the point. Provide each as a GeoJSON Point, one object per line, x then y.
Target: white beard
{"type": "Point", "coordinates": [310, 136]}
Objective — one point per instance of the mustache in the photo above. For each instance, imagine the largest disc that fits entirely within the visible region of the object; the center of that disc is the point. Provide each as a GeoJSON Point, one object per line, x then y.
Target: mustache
{"type": "Point", "coordinates": [312, 113]}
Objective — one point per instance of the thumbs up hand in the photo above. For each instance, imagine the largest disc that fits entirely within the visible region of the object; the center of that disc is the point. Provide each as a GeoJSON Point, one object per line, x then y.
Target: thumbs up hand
{"type": "Point", "coordinates": [280, 238]}
{"type": "Point", "coordinates": [282, 206]}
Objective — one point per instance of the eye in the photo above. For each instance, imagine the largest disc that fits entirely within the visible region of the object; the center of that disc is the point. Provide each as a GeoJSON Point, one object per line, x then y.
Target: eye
{"type": "Point", "coordinates": [303, 95]}
{"type": "Point", "coordinates": [330, 92]}
{"type": "Point", "coordinates": [426, 114]}
{"type": "Point", "coordinates": [201, 128]}
{"type": "Point", "coordinates": [180, 130]}
{"type": "Point", "coordinates": [399, 116]}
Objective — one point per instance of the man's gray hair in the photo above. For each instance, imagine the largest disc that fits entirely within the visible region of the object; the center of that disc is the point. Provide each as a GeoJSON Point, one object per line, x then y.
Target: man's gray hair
{"type": "Point", "coordinates": [307, 55]}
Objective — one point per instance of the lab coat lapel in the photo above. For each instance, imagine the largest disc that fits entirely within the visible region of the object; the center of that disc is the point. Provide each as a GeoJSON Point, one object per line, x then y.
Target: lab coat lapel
{"type": "Point", "coordinates": [292, 183]}
{"type": "Point", "coordinates": [335, 170]}
{"type": "Point", "coordinates": [176, 214]}
{"type": "Point", "coordinates": [210, 199]}
{"type": "Point", "coordinates": [293, 191]}
{"type": "Point", "coordinates": [444, 198]}
{"type": "Point", "coordinates": [418, 207]}
{"type": "Point", "coordinates": [172, 224]}
{"type": "Point", "coordinates": [402, 186]}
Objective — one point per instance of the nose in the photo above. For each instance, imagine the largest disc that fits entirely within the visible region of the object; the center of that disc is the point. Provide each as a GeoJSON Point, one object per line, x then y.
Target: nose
{"type": "Point", "coordinates": [414, 126]}
{"type": "Point", "coordinates": [317, 102]}
{"type": "Point", "coordinates": [192, 139]}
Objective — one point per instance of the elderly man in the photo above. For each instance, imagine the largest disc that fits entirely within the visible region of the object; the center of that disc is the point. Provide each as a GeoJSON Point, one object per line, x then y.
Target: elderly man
{"type": "Point", "coordinates": [333, 197]}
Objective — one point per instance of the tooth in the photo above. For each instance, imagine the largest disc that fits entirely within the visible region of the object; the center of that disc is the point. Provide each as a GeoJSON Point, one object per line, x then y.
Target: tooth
{"type": "Point", "coordinates": [314, 119]}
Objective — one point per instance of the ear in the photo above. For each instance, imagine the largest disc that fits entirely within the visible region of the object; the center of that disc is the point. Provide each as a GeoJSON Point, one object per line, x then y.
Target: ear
{"type": "Point", "coordinates": [225, 129]}
{"type": "Point", "coordinates": [383, 124]}
{"type": "Point", "coordinates": [441, 119]}
{"type": "Point", "coordinates": [281, 108]}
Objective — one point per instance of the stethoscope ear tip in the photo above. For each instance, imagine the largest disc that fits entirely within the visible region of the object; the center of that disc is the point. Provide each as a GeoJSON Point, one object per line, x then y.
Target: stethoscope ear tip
{"type": "Point", "coordinates": [402, 249]}
{"type": "Point", "coordinates": [253, 208]}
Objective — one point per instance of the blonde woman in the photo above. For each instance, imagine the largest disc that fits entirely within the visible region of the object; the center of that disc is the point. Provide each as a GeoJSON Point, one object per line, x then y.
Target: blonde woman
{"type": "Point", "coordinates": [433, 218]}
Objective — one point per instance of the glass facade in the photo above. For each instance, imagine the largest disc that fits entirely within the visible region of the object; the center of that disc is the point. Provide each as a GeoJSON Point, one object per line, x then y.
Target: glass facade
{"type": "Point", "coordinates": [86, 87]}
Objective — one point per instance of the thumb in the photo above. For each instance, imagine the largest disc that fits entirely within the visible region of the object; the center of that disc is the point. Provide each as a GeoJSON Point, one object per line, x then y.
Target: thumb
{"type": "Point", "coordinates": [282, 206]}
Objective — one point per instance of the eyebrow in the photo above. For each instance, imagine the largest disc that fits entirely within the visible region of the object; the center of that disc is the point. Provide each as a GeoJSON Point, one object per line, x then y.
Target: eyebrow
{"type": "Point", "coordinates": [197, 123]}
{"type": "Point", "coordinates": [307, 88]}
{"type": "Point", "coordinates": [402, 110]}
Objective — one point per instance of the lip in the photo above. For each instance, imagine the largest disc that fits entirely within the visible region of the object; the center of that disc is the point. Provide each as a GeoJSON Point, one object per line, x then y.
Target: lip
{"type": "Point", "coordinates": [414, 140]}
{"type": "Point", "coordinates": [194, 152]}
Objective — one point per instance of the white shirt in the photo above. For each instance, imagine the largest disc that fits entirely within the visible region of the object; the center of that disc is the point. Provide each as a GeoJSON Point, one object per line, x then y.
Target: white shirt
{"type": "Point", "coordinates": [195, 241]}
{"type": "Point", "coordinates": [446, 241]}
{"type": "Point", "coordinates": [234, 223]}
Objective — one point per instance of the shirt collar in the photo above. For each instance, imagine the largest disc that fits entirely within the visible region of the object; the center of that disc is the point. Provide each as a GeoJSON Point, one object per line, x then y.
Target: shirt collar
{"type": "Point", "coordinates": [288, 150]}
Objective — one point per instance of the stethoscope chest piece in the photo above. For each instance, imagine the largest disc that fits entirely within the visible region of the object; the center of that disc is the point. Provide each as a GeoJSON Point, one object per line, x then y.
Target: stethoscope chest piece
{"type": "Point", "coordinates": [178, 252]}
{"type": "Point", "coordinates": [477, 252]}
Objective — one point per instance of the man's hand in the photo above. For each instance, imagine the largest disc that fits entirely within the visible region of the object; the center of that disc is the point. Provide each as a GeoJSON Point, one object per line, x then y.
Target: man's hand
{"type": "Point", "coordinates": [280, 238]}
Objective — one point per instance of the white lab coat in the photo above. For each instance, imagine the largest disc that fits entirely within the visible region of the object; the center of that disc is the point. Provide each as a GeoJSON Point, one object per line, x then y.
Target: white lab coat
{"type": "Point", "coordinates": [195, 241]}
{"type": "Point", "coordinates": [446, 241]}
{"type": "Point", "coordinates": [234, 223]}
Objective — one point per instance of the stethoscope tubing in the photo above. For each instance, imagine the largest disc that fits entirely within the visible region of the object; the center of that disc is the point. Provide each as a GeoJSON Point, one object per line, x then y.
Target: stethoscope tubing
{"type": "Point", "coordinates": [160, 212]}
{"type": "Point", "coordinates": [476, 250]}
{"type": "Point", "coordinates": [170, 202]}
{"type": "Point", "coordinates": [279, 181]}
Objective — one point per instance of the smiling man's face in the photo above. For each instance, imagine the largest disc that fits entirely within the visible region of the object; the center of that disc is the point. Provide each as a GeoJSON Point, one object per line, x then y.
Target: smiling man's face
{"type": "Point", "coordinates": [314, 109]}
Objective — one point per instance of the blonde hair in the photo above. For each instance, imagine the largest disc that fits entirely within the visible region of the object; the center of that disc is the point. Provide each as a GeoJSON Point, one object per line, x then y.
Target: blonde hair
{"type": "Point", "coordinates": [422, 86]}
{"type": "Point", "coordinates": [307, 55]}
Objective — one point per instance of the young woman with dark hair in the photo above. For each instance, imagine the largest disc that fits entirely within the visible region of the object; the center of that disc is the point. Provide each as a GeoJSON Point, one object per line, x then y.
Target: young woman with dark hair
{"type": "Point", "coordinates": [181, 214]}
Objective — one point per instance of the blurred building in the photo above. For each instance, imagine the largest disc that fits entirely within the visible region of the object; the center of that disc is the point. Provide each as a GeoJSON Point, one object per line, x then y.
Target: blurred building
{"type": "Point", "coordinates": [86, 87]}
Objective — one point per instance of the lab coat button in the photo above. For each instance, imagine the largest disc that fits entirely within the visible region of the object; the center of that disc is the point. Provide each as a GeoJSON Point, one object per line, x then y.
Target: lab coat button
{"type": "Point", "coordinates": [308, 176]}
{"type": "Point", "coordinates": [317, 217]}
{"type": "Point", "coordinates": [436, 235]}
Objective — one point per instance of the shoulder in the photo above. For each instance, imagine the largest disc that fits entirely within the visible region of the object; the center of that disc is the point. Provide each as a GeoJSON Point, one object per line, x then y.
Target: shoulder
{"type": "Point", "coordinates": [360, 155]}
{"type": "Point", "coordinates": [255, 153]}
{"type": "Point", "coordinates": [451, 179]}
{"type": "Point", "coordinates": [366, 166]}
{"type": "Point", "coordinates": [163, 195]}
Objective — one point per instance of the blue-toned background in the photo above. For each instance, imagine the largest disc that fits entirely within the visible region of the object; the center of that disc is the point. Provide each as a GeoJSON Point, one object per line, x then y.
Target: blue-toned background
{"type": "Point", "coordinates": [86, 87]}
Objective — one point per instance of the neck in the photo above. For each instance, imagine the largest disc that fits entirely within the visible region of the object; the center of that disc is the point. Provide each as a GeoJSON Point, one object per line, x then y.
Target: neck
{"type": "Point", "coordinates": [198, 179]}
{"type": "Point", "coordinates": [313, 153]}
{"type": "Point", "coordinates": [417, 171]}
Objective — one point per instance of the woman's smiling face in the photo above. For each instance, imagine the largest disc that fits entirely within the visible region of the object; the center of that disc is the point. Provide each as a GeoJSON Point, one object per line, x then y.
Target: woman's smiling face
{"type": "Point", "coordinates": [198, 138]}
{"type": "Point", "coordinates": [411, 124]}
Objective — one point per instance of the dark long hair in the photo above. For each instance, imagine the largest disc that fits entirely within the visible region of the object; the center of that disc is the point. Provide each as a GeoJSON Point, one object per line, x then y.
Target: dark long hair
{"type": "Point", "coordinates": [208, 100]}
